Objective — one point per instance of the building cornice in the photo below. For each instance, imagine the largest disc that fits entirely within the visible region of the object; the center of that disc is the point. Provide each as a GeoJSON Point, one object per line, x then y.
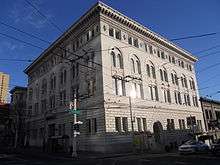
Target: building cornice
{"type": "Point", "coordinates": [93, 11]}
{"type": "Point", "coordinates": [101, 8]}
{"type": "Point", "coordinates": [121, 18]}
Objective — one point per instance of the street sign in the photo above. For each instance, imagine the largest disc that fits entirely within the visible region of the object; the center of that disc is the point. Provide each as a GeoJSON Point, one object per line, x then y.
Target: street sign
{"type": "Point", "coordinates": [73, 111]}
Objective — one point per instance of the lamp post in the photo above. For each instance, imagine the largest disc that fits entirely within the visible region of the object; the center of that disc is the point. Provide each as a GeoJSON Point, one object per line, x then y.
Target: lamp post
{"type": "Point", "coordinates": [132, 95]}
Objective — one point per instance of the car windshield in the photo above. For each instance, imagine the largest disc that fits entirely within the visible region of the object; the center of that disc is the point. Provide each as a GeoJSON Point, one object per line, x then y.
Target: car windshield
{"type": "Point", "coordinates": [191, 143]}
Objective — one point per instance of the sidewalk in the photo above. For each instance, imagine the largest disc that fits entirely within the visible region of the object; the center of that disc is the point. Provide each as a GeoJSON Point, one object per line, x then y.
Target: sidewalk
{"type": "Point", "coordinates": [33, 152]}
{"type": "Point", "coordinates": [38, 153]}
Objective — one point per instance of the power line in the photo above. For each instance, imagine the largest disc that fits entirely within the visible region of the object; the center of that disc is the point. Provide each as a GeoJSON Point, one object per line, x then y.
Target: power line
{"type": "Point", "coordinates": [210, 54]}
{"type": "Point", "coordinates": [36, 37]}
{"type": "Point", "coordinates": [193, 36]}
{"type": "Point", "coordinates": [205, 50]}
{"type": "Point", "coordinates": [27, 43]}
{"type": "Point", "coordinates": [21, 31]}
{"type": "Point", "coordinates": [209, 67]}
{"type": "Point", "coordinates": [18, 60]}
{"type": "Point", "coordinates": [44, 16]}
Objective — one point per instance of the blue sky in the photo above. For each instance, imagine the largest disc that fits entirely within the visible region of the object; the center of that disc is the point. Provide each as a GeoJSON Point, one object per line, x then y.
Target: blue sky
{"type": "Point", "coordinates": [172, 19]}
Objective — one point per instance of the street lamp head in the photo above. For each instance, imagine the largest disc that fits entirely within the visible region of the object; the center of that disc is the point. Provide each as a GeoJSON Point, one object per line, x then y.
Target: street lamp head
{"type": "Point", "coordinates": [133, 93]}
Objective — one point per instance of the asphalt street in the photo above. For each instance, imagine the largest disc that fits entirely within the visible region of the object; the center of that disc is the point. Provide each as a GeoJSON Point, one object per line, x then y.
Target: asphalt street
{"type": "Point", "coordinates": [148, 159]}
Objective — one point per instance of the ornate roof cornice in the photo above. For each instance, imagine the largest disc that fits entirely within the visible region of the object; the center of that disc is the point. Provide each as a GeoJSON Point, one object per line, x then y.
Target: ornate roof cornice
{"type": "Point", "coordinates": [119, 17]}
{"type": "Point", "coordinates": [101, 8]}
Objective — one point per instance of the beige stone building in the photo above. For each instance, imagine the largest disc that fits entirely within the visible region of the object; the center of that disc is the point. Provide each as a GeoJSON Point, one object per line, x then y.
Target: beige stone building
{"type": "Point", "coordinates": [120, 70]}
{"type": "Point", "coordinates": [4, 81]}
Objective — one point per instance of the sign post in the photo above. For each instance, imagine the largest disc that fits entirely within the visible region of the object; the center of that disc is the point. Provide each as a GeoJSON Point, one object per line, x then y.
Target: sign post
{"type": "Point", "coordinates": [74, 111]}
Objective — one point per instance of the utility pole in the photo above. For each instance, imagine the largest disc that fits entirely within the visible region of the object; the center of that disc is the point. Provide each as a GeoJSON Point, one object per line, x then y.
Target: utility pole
{"type": "Point", "coordinates": [132, 123]}
{"type": "Point", "coordinates": [74, 153]}
{"type": "Point", "coordinates": [74, 111]}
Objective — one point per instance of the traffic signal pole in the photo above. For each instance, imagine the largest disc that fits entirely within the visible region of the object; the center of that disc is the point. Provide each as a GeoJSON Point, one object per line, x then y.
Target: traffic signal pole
{"type": "Point", "coordinates": [74, 153]}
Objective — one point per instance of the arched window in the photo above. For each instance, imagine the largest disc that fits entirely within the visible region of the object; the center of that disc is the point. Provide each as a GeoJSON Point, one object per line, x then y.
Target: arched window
{"type": "Point", "coordinates": [138, 66]}
{"type": "Point", "coordinates": [192, 84]}
{"type": "Point", "coordinates": [113, 59]}
{"type": "Point", "coordinates": [135, 64]}
{"type": "Point", "coordinates": [53, 81]}
{"type": "Point", "coordinates": [163, 75]}
{"type": "Point", "coordinates": [184, 81]}
{"type": "Point", "coordinates": [117, 59]}
{"type": "Point", "coordinates": [174, 78]}
{"type": "Point", "coordinates": [63, 76]}
{"type": "Point", "coordinates": [150, 70]}
{"type": "Point", "coordinates": [44, 86]}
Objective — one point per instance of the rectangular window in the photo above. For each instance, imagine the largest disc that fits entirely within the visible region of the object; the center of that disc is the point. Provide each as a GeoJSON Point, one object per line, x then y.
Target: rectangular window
{"type": "Point", "coordinates": [158, 53]}
{"type": "Point", "coordinates": [129, 40]}
{"type": "Point", "coordinates": [93, 32]}
{"type": "Point", "coordinates": [145, 46]}
{"type": "Point", "coordinates": [162, 55]}
{"type": "Point", "coordinates": [165, 95]}
{"type": "Point", "coordinates": [168, 96]}
{"type": "Point", "coordinates": [150, 49]}
{"type": "Point", "coordinates": [179, 98]}
{"type": "Point", "coordinates": [191, 121]}
{"type": "Point", "coordinates": [207, 114]}
{"type": "Point", "coordinates": [139, 124]}
{"type": "Point", "coordinates": [111, 32]}
{"type": "Point", "coordinates": [94, 125]}
{"type": "Point", "coordinates": [144, 124]}
{"type": "Point", "coordinates": [210, 114]}
{"type": "Point", "coordinates": [87, 36]}
{"type": "Point", "coordinates": [118, 34]}
{"type": "Point", "coordinates": [151, 92]}
{"type": "Point", "coordinates": [170, 124]}
{"type": "Point", "coordinates": [183, 124]}
{"type": "Point", "coordinates": [118, 86]}
{"type": "Point", "coordinates": [173, 60]}
{"type": "Point", "coordinates": [136, 42]}
{"type": "Point", "coordinates": [125, 124]}
{"type": "Point", "coordinates": [154, 93]}
{"type": "Point", "coordinates": [118, 124]}
{"type": "Point", "coordinates": [88, 126]}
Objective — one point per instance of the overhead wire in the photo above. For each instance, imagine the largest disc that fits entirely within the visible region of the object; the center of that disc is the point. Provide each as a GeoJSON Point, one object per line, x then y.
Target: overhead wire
{"type": "Point", "coordinates": [193, 36]}
{"type": "Point", "coordinates": [43, 15]}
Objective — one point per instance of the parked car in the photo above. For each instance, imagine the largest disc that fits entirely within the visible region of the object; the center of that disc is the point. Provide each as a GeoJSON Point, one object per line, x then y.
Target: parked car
{"type": "Point", "coordinates": [193, 147]}
{"type": "Point", "coordinates": [215, 147]}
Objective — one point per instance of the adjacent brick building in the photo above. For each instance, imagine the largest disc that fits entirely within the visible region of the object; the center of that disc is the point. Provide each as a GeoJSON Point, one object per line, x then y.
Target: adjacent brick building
{"type": "Point", "coordinates": [4, 82]}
